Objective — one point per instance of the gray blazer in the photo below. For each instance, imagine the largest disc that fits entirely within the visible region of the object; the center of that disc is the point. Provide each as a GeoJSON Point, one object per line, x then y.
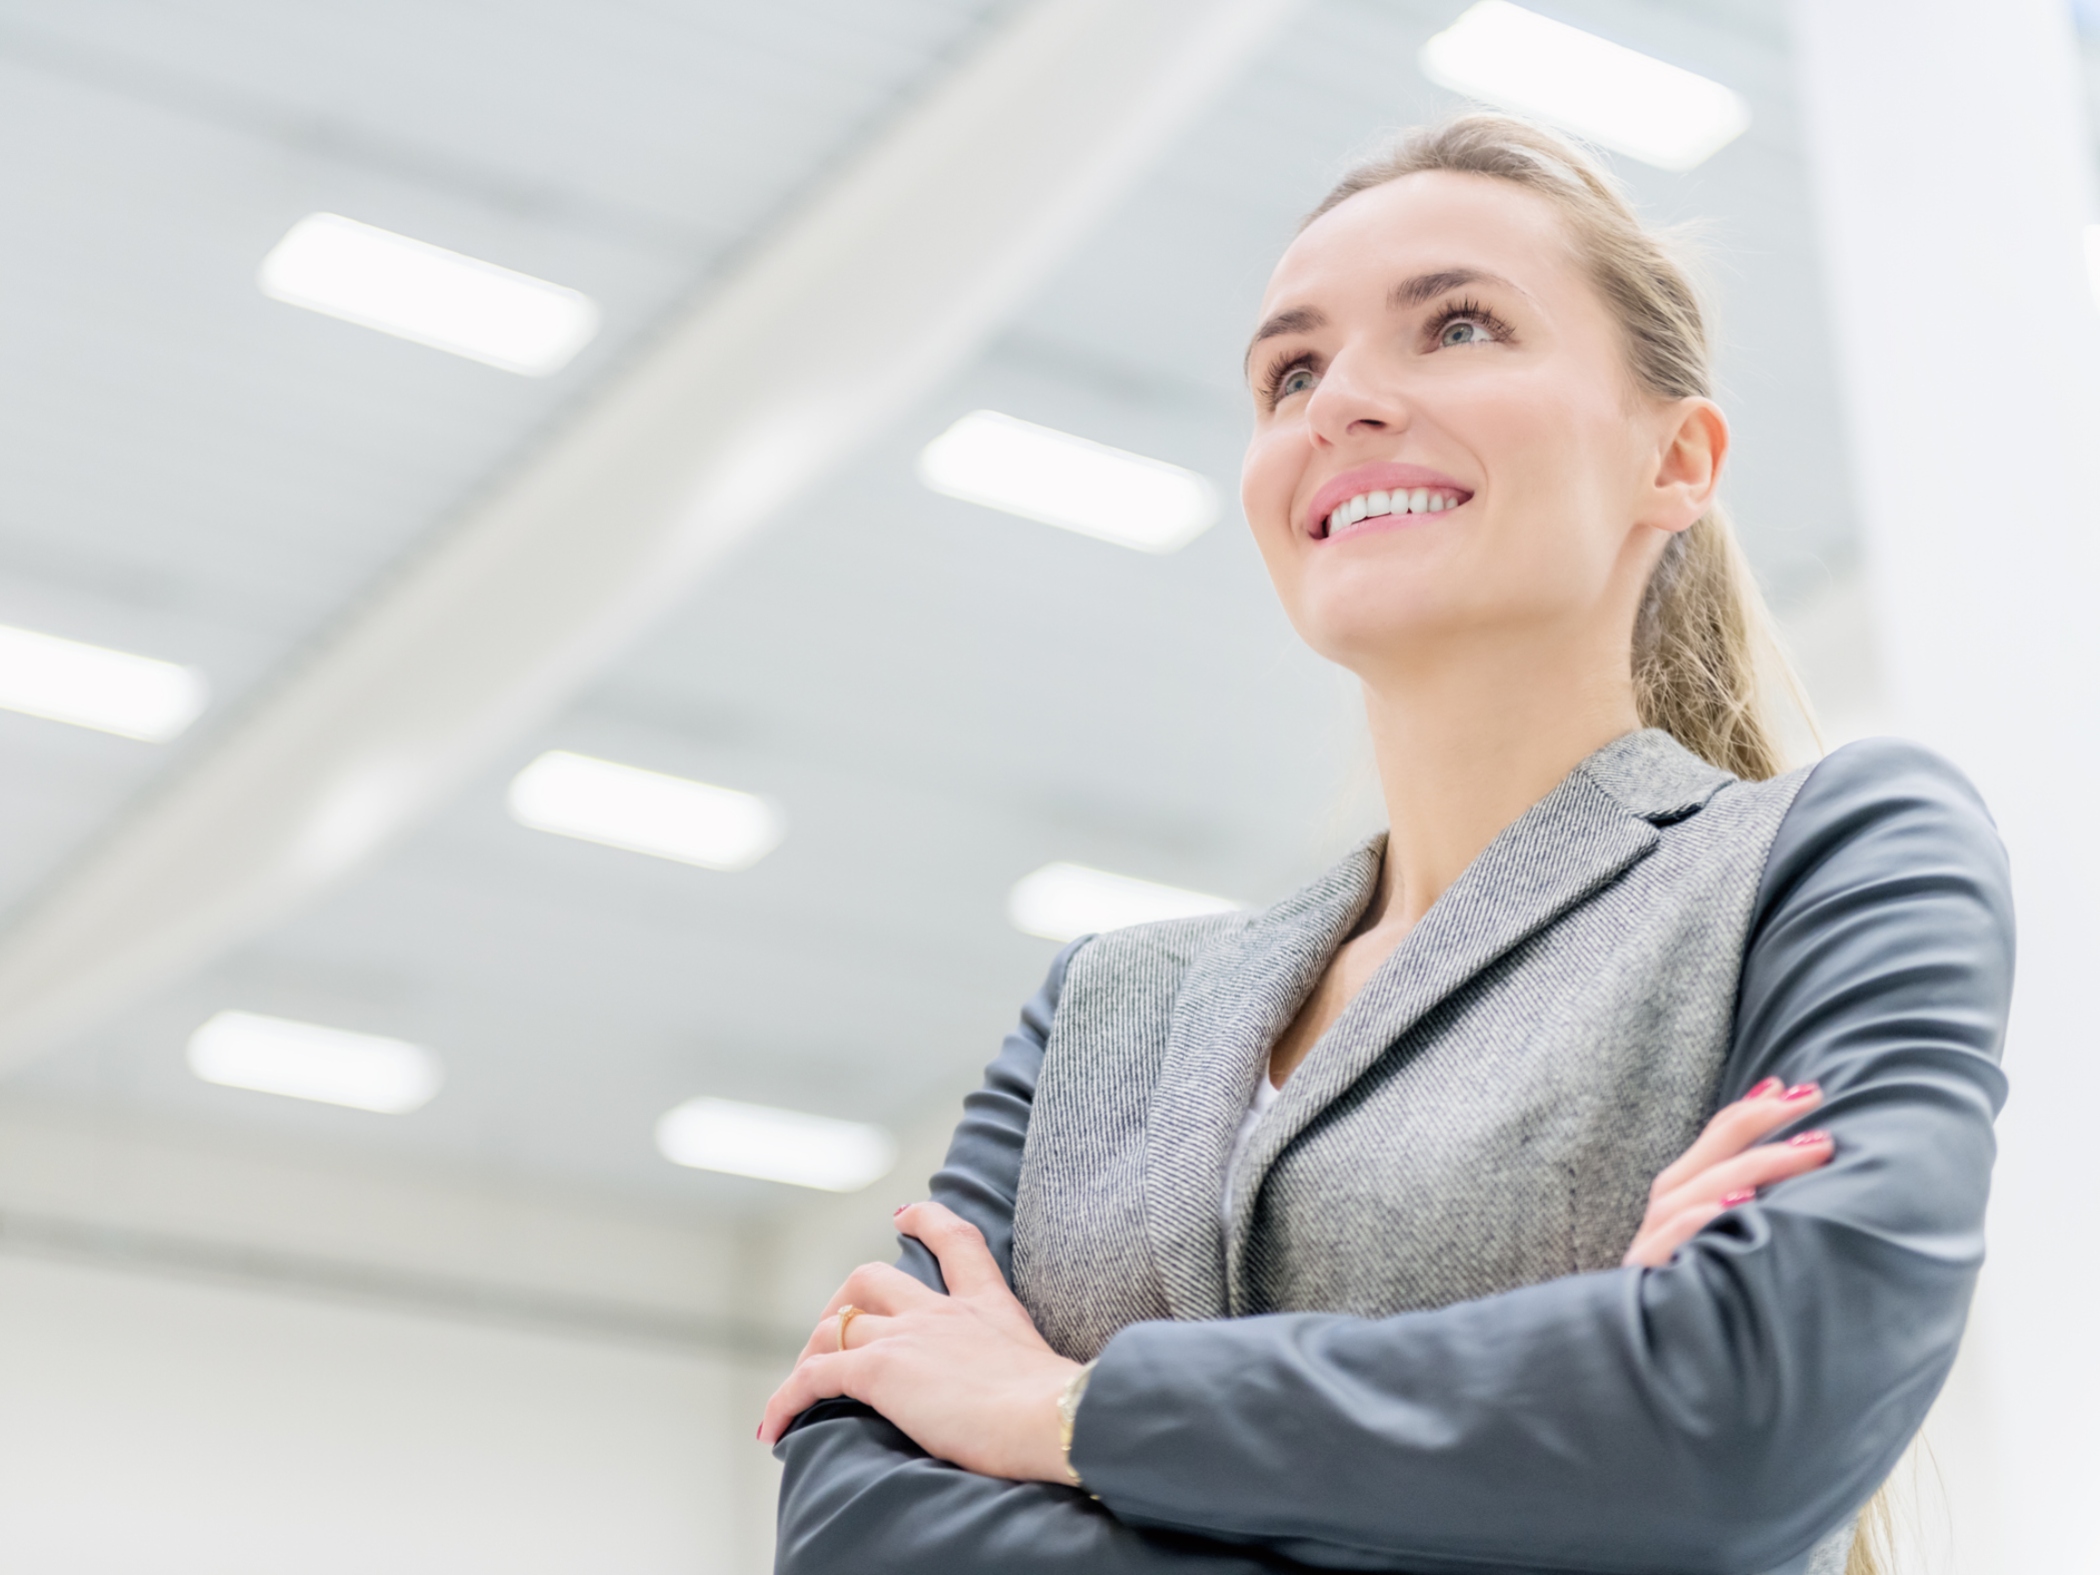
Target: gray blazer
{"type": "Point", "coordinates": [1414, 1349]}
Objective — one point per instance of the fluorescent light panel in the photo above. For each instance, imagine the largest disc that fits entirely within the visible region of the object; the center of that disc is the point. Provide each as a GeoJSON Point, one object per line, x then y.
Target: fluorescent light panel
{"type": "Point", "coordinates": [1630, 102]}
{"type": "Point", "coordinates": [1061, 902]}
{"type": "Point", "coordinates": [620, 806]}
{"type": "Point", "coordinates": [775, 1145]}
{"type": "Point", "coordinates": [276, 1055]}
{"type": "Point", "coordinates": [1043, 474]}
{"type": "Point", "coordinates": [413, 290]}
{"type": "Point", "coordinates": [112, 691]}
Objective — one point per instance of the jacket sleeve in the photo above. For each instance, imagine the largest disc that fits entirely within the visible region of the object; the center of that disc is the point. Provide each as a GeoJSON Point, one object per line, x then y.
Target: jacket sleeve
{"type": "Point", "coordinates": [1714, 1415]}
{"type": "Point", "coordinates": [859, 1496]}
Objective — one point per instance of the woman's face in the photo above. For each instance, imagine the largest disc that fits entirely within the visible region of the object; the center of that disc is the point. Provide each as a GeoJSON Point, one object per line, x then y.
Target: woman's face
{"type": "Point", "coordinates": [1447, 444]}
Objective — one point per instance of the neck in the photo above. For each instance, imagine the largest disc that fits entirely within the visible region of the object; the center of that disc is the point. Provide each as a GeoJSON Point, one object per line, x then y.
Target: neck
{"type": "Point", "coordinates": [1467, 742]}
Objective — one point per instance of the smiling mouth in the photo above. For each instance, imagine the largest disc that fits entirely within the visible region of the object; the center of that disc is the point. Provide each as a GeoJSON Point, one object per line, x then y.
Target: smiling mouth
{"type": "Point", "coordinates": [1349, 515]}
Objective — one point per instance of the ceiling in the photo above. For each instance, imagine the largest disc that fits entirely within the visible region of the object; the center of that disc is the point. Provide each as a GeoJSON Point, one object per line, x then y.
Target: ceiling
{"type": "Point", "coordinates": [941, 697]}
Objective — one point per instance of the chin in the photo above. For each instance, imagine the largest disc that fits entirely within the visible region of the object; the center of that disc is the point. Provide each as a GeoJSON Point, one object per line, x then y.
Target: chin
{"type": "Point", "coordinates": [1362, 625]}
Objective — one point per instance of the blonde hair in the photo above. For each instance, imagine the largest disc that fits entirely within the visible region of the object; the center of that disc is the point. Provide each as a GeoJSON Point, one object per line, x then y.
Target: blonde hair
{"type": "Point", "coordinates": [1705, 658]}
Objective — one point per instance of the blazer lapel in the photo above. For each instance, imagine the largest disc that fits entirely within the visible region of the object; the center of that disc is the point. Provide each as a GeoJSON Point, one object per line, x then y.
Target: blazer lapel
{"type": "Point", "coordinates": [1237, 999]}
{"type": "Point", "coordinates": [1568, 845]}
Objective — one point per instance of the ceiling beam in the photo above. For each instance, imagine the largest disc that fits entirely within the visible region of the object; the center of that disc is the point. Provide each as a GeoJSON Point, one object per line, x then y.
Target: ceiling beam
{"type": "Point", "coordinates": [883, 284]}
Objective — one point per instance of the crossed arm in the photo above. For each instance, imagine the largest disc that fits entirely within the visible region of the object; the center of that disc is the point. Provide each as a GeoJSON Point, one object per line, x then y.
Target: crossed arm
{"type": "Point", "coordinates": [1703, 1408]}
{"type": "Point", "coordinates": [967, 1378]}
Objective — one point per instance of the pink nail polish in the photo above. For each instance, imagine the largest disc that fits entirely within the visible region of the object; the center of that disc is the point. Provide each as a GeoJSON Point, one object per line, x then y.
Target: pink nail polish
{"type": "Point", "coordinates": [899, 1209]}
{"type": "Point", "coordinates": [1804, 1091]}
{"type": "Point", "coordinates": [1768, 1087]}
{"type": "Point", "coordinates": [1742, 1195]}
{"type": "Point", "coordinates": [1807, 1139]}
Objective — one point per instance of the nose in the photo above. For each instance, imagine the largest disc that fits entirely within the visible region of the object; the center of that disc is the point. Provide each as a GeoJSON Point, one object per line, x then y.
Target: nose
{"type": "Point", "coordinates": [1355, 399]}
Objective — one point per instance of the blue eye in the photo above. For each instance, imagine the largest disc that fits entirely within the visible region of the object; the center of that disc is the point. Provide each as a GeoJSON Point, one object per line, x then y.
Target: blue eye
{"type": "Point", "coordinates": [1295, 381]}
{"type": "Point", "coordinates": [1464, 332]}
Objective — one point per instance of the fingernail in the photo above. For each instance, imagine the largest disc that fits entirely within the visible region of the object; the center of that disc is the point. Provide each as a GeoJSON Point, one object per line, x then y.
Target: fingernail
{"type": "Point", "coordinates": [1804, 1091]}
{"type": "Point", "coordinates": [899, 1209]}
{"type": "Point", "coordinates": [1742, 1196]}
{"type": "Point", "coordinates": [1808, 1139]}
{"type": "Point", "coordinates": [1770, 1085]}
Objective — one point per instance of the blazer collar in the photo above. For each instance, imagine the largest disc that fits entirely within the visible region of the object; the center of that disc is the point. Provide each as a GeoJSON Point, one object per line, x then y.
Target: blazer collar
{"type": "Point", "coordinates": [1600, 820]}
{"type": "Point", "coordinates": [1654, 777]}
{"type": "Point", "coordinates": [1236, 1000]}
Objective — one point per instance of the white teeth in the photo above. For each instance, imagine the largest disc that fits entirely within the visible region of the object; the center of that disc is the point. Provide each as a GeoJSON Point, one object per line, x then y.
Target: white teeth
{"type": "Point", "coordinates": [1366, 504]}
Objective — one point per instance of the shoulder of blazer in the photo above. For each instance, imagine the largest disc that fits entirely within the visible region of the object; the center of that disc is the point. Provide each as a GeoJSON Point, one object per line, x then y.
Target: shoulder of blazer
{"type": "Point", "coordinates": [1178, 942]}
{"type": "Point", "coordinates": [1655, 778]}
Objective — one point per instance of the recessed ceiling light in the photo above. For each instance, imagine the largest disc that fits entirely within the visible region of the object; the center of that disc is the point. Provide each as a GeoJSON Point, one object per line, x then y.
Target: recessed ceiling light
{"type": "Point", "coordinates": [1061, 902]}
{"type": "Point", "coordinates": [114, 691]}
{"type": "Point", "coordinates": [275, 1055]}
{"type": "Point", "coordinates": [1518, 60]}
{"type": "Point", "coordinates": [417, 291]}
{"type": "Point", "coordinates": [775, 1145]}
{"type": "Point", "coordinates": [620, 806]}
{"type": "Point", "coordinates": [1043, 474]}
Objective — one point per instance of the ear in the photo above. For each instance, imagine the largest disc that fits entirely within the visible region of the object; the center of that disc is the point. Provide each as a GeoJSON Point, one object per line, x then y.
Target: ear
{"type": "Point", "coordinates": [1694, 444]}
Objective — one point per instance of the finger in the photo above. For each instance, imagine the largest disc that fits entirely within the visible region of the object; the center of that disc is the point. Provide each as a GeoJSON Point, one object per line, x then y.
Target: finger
{"type": "Point", "coordinates": [818, 1342]}
{"type": "Point", "coordinates": [864, 1331]}
{"type": "Point", "coordinates": [966, 1262]}
{"type": "Point", "coordinates": [824, 1338]}
{"type": "Point", "coordinates": [861, 1328]}
{"type": "Point", "coordinates": [819, 1378]}
{"type": "Point", "coordinates": [1761, 1167]}
{"type": "Point", "coordinates": [1655, 1248]}
{"type": "Point", "coordinates": [878, 1288]}
{"type": "Point", "coordinates": [1736, 1127]}
{"type": "Point", "coordinates": [823, 1333]}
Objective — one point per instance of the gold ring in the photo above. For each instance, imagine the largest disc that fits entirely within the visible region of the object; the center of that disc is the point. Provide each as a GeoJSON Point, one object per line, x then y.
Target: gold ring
{"type": "Point", "coordinates": [847, 1314]}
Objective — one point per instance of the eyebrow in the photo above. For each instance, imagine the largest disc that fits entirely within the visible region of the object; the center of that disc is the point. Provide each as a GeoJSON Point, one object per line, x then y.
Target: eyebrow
{"type": "Point", "coordinates": [1408, 292]}
{"type": "Point", "coordinates": [1428, 286]}
{"type": "Point", "coordinates": [1298, 320]}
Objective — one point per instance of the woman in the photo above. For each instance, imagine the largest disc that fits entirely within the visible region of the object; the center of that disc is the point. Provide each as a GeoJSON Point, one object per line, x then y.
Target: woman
{"type": "Point", "coordinates": [1379, 1230]}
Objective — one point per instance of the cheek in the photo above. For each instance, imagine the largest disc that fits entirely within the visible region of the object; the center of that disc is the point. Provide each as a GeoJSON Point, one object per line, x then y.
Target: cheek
{"type": "Point", "coordinates": [1555, 461]}
{"type": "Point", "coordinates": [1269, 478]}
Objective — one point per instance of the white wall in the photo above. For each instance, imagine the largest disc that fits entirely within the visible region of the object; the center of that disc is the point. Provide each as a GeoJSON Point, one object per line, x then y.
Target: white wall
{"type": "Point", "coordinates": [154, 1427]}
{"type": "Point", "coordinates": [232, 1359]}
{"type": "Point", "coordinates": [1950, 149]}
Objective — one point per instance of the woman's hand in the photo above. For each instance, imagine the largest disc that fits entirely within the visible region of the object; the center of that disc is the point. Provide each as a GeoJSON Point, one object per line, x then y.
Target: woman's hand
{"type": "Point", "coordinates": [1727, 1165]}
{"type": "Point", "coordinates": [964, 1375]}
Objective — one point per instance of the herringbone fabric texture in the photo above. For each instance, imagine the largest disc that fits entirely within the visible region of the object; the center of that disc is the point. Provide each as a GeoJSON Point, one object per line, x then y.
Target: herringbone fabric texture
{"type": "Point", "coordinates": [1488, 1112]}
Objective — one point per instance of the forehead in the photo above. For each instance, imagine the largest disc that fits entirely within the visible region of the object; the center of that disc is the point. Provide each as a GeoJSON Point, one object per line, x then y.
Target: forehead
{"type": "Point", "coordinates": [1436, 220]}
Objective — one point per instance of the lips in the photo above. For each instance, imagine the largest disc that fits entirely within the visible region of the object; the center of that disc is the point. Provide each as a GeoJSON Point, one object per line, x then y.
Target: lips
{"type": "Point", "coordinates": [1385, 491]}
